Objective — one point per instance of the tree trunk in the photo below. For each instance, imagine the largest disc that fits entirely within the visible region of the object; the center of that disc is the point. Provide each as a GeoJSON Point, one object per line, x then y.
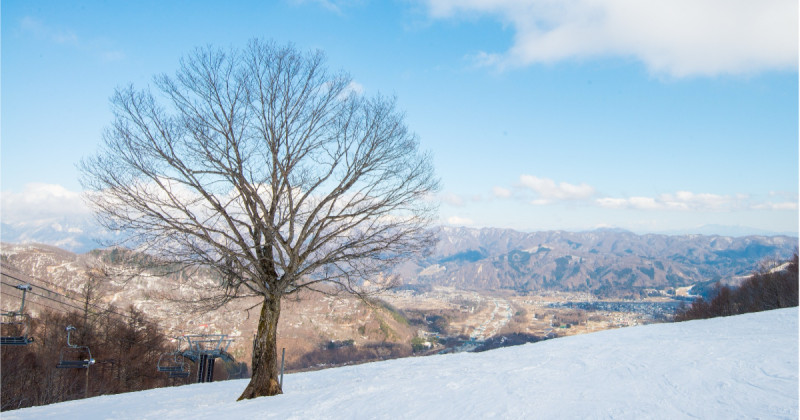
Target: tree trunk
{"type": "Point", "coordinates": [264, 381]}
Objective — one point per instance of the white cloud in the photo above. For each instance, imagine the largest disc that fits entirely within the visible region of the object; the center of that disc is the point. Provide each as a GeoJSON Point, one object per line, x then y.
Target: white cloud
{"type": "Point", "coordinates": [788, 205]}
{"type": "Point", "coordinates": [354, 87]}
{"type": "Point", "coordinates": [685, 200]}
{"type": "Point", "coordinates": [336, 6]}
{"type": "Point", "coordinates": [674, 37]}
{"type": "Point", "coordinates": [612, 203]}
{"type": "Point", "coordinates": [459, 221]}
{"type": "Point", "coordinates": [97, 47]}
{"type": "Point", "coordinates": [452, 199]}
{"type": "Point", "coordinates": [682, 200]}
{"type": "Point", "coordinates": [501, 192]}
{"type": "Point", "coordinates": [645, 203]}
{"type": "Point", "coordinates": [38, 29]}
{"type": "Point", "coordinates": [548, 190]}
{"type": "Point", "coordinates": [42, 201]}
{"type": "Point", "coordinates": [689, 201]}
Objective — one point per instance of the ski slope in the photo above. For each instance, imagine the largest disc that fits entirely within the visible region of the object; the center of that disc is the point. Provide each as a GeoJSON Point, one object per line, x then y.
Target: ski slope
{"type": "Point", "coordinates": [725, 368]}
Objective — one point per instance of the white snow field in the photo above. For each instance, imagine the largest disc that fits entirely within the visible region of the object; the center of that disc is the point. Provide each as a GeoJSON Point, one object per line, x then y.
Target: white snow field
{"type": "Point", "coordinates": [725, 368]}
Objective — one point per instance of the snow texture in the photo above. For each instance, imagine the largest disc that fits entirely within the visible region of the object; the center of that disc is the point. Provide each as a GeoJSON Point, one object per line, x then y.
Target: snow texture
{"type": "Point", "coordinates": [725, 368]}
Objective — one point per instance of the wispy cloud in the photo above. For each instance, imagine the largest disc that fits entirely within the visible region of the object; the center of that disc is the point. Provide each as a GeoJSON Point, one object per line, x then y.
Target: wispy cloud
{"type": "Point", "coordinates": [689, 201]}
{"type": "Point", "coordinates": [685, 200]}
{"type": "Point", "coordinates": [545, 191]}
{"type": "Point", "coordinates": [460, 221]}
{"type": "Point", "coordinates": [548, 191]}
{"type": "Point", "coordinates": [355, 87]}
{"type": "Point", "coordinates": [335, 6]}
{"type": "Point", "coordinates": [682, 200]}
{"type": "Point", "coordinates": [67, 37]}
{"type": "Point", "coordinates": [786, 205]}
{"type": "Point", "coordinates": [674, 37]}
{"type": "Point", "coordinates": [452, 199]}
{"type": "Point", "coordinates": [501, 192]}
{"type": "Point", "coordinates": [39, 30]}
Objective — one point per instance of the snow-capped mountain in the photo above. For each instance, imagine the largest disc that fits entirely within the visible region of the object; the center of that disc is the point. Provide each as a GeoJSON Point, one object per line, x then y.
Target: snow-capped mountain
{"type": "Point", "coordinates": [603, 261]}
{"type": "Point", "coordinates": [607, 262]}
{"type": "Point", "coordinates": [79, 235]}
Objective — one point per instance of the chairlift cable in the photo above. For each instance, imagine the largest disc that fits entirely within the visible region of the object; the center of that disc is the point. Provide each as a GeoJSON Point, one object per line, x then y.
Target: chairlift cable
{"type": "Point", "coordinates": [48, 290]}
{"type": "Point", "coordinates": [62, 310]}
{"type": "Point", "coordinates": [27, 275]}
{"type": "Point", "coordinates": [38, 303]}
{"type": "Point", "coordinates": [63, 295]}
{"type": "Point", "coordinates": [68, 304]}
{"type": "Point", "coordinates": [82, 302]}
{"type": "Point", "coordinates": [65, 311]}
{"type": "Point", "coordinates": [43, 288]}
{"type": "Point", "coordinates": [49, 298]}
{"type": "Point", "coordinates": [68, 297]}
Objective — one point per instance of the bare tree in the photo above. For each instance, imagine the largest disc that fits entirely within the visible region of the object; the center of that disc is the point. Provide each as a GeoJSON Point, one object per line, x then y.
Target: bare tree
{"type": "Point", "coordinates": [96, 275]}
{"type": "Point", "coordinates": [269, 169]}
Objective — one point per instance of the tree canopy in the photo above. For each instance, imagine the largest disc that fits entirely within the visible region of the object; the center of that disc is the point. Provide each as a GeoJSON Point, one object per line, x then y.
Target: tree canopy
{"type": "Point", "coordinates": [265, 166]}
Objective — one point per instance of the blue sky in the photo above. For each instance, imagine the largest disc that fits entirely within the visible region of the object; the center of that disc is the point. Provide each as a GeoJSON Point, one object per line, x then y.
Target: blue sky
{"type": "Point", "coordinates": [652, 116]}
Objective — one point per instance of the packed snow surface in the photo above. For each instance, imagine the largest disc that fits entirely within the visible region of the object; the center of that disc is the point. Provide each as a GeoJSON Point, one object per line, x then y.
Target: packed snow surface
{"type": "Point", "coordinates": [725, 368]}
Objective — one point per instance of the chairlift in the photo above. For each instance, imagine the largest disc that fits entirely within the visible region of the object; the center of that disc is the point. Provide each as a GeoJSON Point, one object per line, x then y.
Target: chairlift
{"type": "Point", "coordinates": [181, 374]}
{"type": "Point", "coordinates": [15, 326]}
{"type": "Point", "coordinates": [174, 363]}
{"type": "Point", "coordinates": [204, 349]}
{"type": "Point", "coordinates": [74, 356]}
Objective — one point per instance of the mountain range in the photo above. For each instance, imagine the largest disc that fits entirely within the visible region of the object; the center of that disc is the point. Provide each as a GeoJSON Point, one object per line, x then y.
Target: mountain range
{"type": "Point", "coordinates": [80, 233]}
{"type": "Point", "coordinates": [75, 234]}
{"type": "Point", "coordinates": [605, 262]}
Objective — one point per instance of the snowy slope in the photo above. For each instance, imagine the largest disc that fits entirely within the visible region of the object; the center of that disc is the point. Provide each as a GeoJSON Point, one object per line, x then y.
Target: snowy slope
{"type": "Point", "coordinates": [725, 368]}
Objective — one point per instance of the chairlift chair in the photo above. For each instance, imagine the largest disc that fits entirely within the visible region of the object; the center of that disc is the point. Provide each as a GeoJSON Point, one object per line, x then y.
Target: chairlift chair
{"type": "Point", "coordinates": [74, 356]}
{"type": "Point", "coordinates": [15, 326]}
{"type": "Point", "coordinates": [174, 363]}
{"type": "Point", "coordinates": [181, 374]}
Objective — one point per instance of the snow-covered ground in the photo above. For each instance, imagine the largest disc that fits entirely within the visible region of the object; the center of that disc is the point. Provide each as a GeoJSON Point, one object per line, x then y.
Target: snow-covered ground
{"type": "Point", "coordinates": [724, 368]}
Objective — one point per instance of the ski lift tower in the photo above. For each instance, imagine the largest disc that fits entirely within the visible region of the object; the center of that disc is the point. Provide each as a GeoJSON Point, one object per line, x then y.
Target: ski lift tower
{"type": "Point", "coordinates": [204, 349]}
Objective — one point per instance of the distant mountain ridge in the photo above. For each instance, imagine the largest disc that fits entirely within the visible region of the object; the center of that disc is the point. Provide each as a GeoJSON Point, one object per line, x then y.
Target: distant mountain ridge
{"type": "Point", "coordinates": [606, 262]}
{"type": "Point", "coordinates": [74, 234]}
{"type": "Point", "coordinates": [82, 234]}
{"type": "Point", "coordinates": [723, 230]}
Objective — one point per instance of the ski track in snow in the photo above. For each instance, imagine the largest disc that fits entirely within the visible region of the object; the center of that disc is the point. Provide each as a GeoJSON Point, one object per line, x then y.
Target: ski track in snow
{"type": "Point", "coordinates": [739, 367]}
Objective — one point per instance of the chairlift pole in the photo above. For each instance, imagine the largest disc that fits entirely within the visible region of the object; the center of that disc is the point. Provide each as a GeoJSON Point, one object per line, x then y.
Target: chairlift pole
{"type": "Point", "coordinates": [86, 389]}
{"type": "Point", "coordinates": [206, 348]}
{"type": "Point", "coordinates": [283, 355]}
{"type": "Point", "coordinates": [25, 288]}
